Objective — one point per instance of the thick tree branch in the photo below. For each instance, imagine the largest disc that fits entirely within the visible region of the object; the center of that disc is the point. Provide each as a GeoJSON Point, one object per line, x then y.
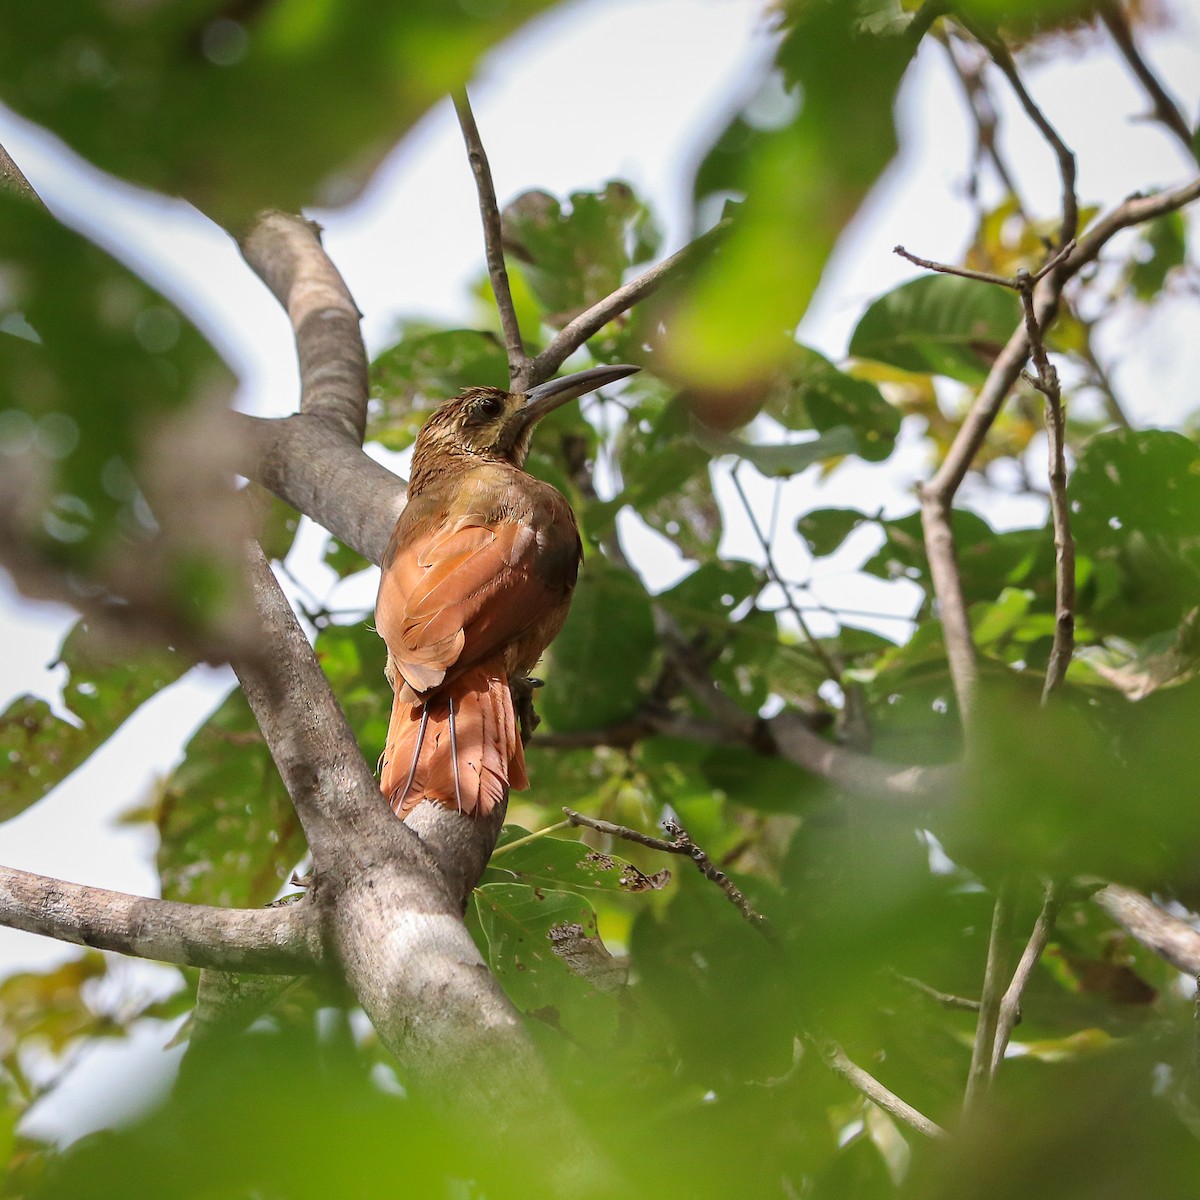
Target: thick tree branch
{"type": "Point", "coordinates": [281, 940]}
{"type": "Point", "coordinates": [312, 465]}
{"type": "Point", "coordinates": [334, 792]}
{"type": "Point", "coordinates": [1168, 936]}
{"type": "Point", "coordinates": [493, 240]}
{"type": "Point", "coordinates": [285, 252]}
{"type": "Point", "coordinates": [1165, 110]}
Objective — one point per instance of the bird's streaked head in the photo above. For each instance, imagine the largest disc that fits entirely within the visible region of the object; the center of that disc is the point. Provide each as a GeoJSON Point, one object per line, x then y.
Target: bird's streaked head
{"type": "Point", "coordinates": [496, 425]}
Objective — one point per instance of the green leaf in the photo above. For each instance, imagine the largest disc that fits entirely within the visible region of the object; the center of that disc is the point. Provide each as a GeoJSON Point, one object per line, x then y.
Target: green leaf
{"type": "Point", "coordinates": [781, 461]}
{"type": "Point", "coordinates": [105, 685]}
{"type": "Point", "coordinates": [938, 324]}
{"type": "Point", "coordinates": [1135, 500]}
{"type": "Point", "coordinates": [548, 862]}
{"type": "Point", "coordinates": [816, 395]}
{"type": "Point", "coordinates": [160, 94]}
{"type": "Point", "coordinates": [825, 529]}
{"type": "Point", "coordinates": [115, 384]}
{"type": "Point", "coordinates": [518, 921]}
{"type": "Point", "coordinates": [575, 256]}
{"type": "Point", "coordinates": [1161, 248]}
{"type": "Point", "coordinates": [343, 561]}
{"type": "Point", "coordinates": [804, 155]}
{"type": "Point", "coordinates": [229, 835]}
{"type": "Point", "coordinates": [425, 367]}
{"type": "Point", "coordinates": [596, 668]}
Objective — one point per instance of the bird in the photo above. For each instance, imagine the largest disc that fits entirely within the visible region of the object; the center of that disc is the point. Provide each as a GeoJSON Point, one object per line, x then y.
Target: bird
{"type": "Point", "coordinates": [476, 582]}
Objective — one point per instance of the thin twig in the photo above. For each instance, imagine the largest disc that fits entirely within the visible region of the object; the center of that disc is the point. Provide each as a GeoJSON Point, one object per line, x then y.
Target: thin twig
{"type": "Point", "coordinates": [537, 835]}
{"type": "Point", "coordinates": [1166, 111]}
{"type": "Point", "coordinates": [1005, 281]}
{"type": "Point", "coordinates": [1013, 282]}
{"type": "Point", "coordinates": [1066, 159]}
{"type": "Point", "coordinates": [983, 109]}
{"type": "Point", "coordinates": [1010, 1005]}
{"type": "Point", "coordinates": [866, 1083]}
{"type": "Point", "coordinates": [13, 181]}
{"type": "Point", "coordinates": [832, 670]}
{"type": "Point", "coordinates": [945, 999]}
{"type": "Point", "coordinates": [980, 1074]}
{"type": "Point", "coordinates": [572, 335]}
{"type": "Point", "coordinates": [1046, 381]}
{"type": "Point", "coordinates": [680, 843]}
{"type": "Point", "coordinates": [489, 212]}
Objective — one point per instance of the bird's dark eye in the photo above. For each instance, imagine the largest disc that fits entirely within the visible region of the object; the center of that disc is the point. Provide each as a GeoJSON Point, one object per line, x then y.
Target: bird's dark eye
{"type": "Point", "coordinates": [487, 407]}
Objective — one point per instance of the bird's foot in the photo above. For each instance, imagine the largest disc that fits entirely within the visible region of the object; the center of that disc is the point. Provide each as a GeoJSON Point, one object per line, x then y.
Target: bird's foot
{"type": "Point", "coordinates": [522, 688]}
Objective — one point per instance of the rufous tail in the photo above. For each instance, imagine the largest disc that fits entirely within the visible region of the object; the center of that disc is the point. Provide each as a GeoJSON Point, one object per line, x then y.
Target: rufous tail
{"type": "Point", "coordinates": [460, 746]}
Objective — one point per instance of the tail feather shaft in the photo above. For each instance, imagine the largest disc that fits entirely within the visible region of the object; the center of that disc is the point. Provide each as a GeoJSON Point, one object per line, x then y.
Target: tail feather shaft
{"type": "Point", "coordinates": [458, 747]}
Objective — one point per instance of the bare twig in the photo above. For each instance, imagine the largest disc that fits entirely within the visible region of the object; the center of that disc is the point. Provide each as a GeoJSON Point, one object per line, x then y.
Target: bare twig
{"type": "Point", "coordinates": [1046, 381]}
{"type": "Point", "coordinates": [13, 181]}
{"type": "Point", "coordinates": [1167, 936]}
{"type": "Point", "coordinates": [1010, 1005]}
{"type": "Point", "coordinates": [980, 1073]}
{"type": "Point", "coordinates": [489, 211]}
{"type": "Point", "coordinates": [1066, 159]}
{"type": "Point", "coordinates": [983, 109]}
{"type": "Point", "coordinates": [276, 941]}
{"type": "Point", "coordinates": [929, 264]}
{"type": "Point", "coordinates": [945, 999]}
{"type": "Point", "coordinates": [1165, 110]}
{"type": "Point", "coordinates": [832, 670]}
{"type": "Point", "coordinates": [866, 1083]}
{"type": "Point", "coordinates": [680, 843]}
{"type": "Point", "coordinates": [572, 335]}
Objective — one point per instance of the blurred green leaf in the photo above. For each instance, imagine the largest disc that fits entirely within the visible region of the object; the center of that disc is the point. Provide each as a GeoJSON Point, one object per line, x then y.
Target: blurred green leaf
{"type": "Point", "coordinates": [97, 405]}
{"type": "Point", "coordinates": [160, 94]}
{"type": "Point", "coordinates": [804, 154]}
{"type": "Point", "coordinates": [1135, 500]}
{"type": "Point", "coordinates": [1162, 247]}
{"type": "Point", "coordinates": [825, 529]}
{"type": "Point", "coordinates": [940, 324]}
{"type": "Point", "coordinates": [105, 685]}
{"type": "Point", "coordinates": [784, 460]}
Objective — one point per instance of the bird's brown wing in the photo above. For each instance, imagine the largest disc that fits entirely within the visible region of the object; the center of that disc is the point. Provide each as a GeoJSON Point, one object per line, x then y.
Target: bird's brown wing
{"type": "Point", "coordinates": [459, 594]}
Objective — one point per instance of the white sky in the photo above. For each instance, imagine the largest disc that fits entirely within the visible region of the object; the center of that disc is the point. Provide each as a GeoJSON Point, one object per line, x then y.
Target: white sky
{"type": "Point", "coordinates": [411, 246]}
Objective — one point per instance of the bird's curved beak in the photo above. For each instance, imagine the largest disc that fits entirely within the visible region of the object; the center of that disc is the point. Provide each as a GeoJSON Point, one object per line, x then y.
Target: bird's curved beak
{"type": "Point", "coordinates": [550, 395]}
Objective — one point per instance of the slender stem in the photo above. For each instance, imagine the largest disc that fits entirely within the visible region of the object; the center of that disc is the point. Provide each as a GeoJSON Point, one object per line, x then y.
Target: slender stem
{"type": "Point", "coordinates": [1066, 159]}
{"type": "Point", "coordinates": [530, 837]}
{"type": "Point", "coordinates": [493, 238]}
{"type": "Point", "coordinates": [13, 181]}
{"type": "Point", "coordinates": [572, 335]}
{"type": "Point", "coordinates": [832, 670]}
{"type": "Point", "coordinates": [1166, 111]}
{"type": "Point", "coordinates": [866, 1083]}
{"type": "Point", "coordinates": [679, 843]}
{"type": "Point", "coordinates": [1010, 1004]}
{"type": "Point", "coordinates": [980, 1074]}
